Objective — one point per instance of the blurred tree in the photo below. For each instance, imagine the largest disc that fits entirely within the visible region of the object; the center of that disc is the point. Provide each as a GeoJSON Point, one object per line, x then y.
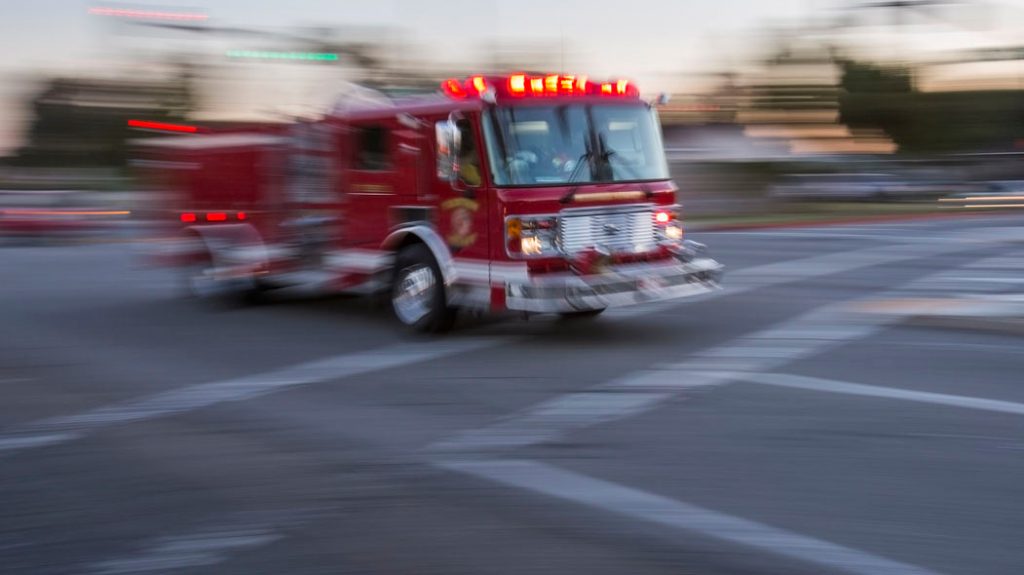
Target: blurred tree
{"type": "Point", "coordinates": [927, 122]}
{"type": "Point", "coordinates": [84, 122]}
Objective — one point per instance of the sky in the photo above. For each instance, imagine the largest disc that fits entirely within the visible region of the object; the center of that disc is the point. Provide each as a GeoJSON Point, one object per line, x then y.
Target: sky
{"type": "Point", "coordinates": [656, 42]}
{"type": "Point", "coordinates": [615, 34]}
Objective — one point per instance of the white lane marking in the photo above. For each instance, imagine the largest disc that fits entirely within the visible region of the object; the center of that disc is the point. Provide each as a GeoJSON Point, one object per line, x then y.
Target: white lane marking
{"type": "Point", "coordinates": [988, 279]}
{"type": "Point", "coordinates": [205, 546]}
{"type": "Point", "coordinates": [552, 418]}
{"type": "Point", "coordinates": [809, 334]}
{"type": "Point", "coordinates": [646, 389]}
{"type": "Point", "coordinates": [834, 386]}
{"type": "Point", "coordinates": [60, 429]}
{"type": "Point", "coordinates": [1012, 262]}
{"type": "Point", "coordinates": [181, 553]}
{"type": "Point", "coordinates": [788, 271]}
{"type": "Point", "coordinates": [15, 442]}
{"type": "Point", "coordinates": [649, 507]}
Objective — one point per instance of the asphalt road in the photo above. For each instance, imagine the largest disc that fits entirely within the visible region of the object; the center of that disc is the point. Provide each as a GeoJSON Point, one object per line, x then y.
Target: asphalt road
{"type": "Point", "coordinates": [777, 427]}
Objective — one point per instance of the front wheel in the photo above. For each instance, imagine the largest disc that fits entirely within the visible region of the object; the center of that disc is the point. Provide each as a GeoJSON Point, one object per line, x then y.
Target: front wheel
{"type": "Point", "coordinates": [417, 292]}
{"type": "Point", "coordinates": [200, 282]}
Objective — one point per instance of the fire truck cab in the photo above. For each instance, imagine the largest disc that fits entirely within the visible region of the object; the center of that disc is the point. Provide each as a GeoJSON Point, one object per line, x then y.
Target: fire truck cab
{"type": "Point", "coordinates": [529, 193]}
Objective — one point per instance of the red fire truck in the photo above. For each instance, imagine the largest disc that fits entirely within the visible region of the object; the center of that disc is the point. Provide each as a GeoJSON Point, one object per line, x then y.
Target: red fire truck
{"type": "Point", "coordinates": [529, 193]}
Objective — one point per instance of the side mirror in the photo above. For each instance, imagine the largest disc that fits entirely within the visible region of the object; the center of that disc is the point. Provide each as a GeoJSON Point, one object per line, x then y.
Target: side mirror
{"type": "Point", "coordinates": [449, 143]}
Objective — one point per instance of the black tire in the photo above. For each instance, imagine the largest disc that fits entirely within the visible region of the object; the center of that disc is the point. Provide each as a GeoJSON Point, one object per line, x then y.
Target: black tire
{"type": "Point", "coordinates": [581, 315]}
{"type": "Point", "coordinates": [418, 298]}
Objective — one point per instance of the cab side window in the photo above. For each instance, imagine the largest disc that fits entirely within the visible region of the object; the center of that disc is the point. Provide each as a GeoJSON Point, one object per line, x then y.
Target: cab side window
{"type": "Point", "coordinates": [373, 150]}
{"type": "Point", "coordinates": [469, 157]}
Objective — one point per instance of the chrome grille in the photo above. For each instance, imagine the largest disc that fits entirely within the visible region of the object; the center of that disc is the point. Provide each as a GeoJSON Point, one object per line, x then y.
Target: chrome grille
{"type": "Point", "coordinates": [617, 230]}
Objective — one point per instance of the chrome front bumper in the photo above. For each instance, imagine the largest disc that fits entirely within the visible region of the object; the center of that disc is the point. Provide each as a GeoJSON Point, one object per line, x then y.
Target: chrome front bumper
{"type": "Point", "coordinates": [625, 285]}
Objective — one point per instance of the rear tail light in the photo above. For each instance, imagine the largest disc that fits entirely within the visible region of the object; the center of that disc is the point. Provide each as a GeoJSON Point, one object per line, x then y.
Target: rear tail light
{"type": "Point", "coordinates": [193, 217]}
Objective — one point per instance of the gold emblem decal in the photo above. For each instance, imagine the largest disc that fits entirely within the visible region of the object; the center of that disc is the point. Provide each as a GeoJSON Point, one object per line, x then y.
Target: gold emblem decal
{"type": "Point", "coordinates": [460, 233]}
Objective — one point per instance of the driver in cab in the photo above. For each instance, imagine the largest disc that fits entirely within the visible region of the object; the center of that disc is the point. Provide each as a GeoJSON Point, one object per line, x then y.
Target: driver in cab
{"type": "Point", "coordinates": [469, 160]}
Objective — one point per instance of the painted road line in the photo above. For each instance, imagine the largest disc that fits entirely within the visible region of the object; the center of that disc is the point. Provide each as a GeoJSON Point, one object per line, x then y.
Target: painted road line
{"type": "Point", "coordinates": [789, 271]}
{"type": "Point", "coordinates": [206, 546]}
{"type": "Point", "coordinates": [812, 333]}
{"type": "Point", "coordinates": [648, 507]}
{"type": "Point", "coordinates": [550, 419]}
{"type": "Point", "coordinates": [834, 386]}
{"type": "Point", "coordinates": [15, 442]}
{"type": "Point", "coordinates": [174, 554]}
{"type": "Point", "coordinates": [61, 429]}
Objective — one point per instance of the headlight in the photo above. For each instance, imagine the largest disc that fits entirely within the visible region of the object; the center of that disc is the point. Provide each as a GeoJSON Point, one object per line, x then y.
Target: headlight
{"type": "Point", "coordinates": [531, 236]}
{"type": "Point", "coordinates": [668, 226]}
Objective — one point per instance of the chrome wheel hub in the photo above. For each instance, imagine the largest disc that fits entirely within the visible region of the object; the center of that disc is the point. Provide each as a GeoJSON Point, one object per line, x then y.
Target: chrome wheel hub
{"type": "Point", "coordinates": [414, 293]}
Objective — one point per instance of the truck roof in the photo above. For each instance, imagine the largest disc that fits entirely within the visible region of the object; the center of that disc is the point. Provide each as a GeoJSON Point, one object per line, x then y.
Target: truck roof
{"type": "Point", "coordinates": [434, 103]}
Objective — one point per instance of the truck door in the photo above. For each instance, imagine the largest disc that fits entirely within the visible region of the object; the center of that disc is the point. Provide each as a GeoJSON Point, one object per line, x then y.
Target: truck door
{"type": "Point", "coordinates": [373, 181]}
{"type": "Point", "coordinates": [463, 202]}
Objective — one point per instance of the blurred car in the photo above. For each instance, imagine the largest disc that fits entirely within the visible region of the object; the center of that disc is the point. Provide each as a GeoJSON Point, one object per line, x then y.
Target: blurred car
{"type": "Point", "coordinates": [993, 194]}
{"type": "Point", "coordinates": [834, 186]}
{"type": "Point", "coordinates": [1006, 187]}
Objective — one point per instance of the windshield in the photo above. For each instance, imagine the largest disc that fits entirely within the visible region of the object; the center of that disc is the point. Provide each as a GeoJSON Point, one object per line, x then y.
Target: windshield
{"type": "Point", "coordinates": [543, 145]}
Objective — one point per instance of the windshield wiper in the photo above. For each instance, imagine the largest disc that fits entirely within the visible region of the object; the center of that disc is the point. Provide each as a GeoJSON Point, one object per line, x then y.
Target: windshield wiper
{"type": "Point", "coordinates": [607, 154]}
{"type": "Point", "coordinates": [582, 161]}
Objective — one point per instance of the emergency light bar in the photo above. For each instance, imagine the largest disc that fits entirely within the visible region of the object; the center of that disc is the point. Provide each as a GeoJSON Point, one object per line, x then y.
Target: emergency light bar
{"type": "Point", "coordinates": [546, 86]}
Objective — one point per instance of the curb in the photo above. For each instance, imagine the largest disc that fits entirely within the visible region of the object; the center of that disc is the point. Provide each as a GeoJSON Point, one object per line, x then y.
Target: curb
{"type": "Point", "coordinates": [1005, 326]}
{"type": "Point", "coordinates": [967, 314]}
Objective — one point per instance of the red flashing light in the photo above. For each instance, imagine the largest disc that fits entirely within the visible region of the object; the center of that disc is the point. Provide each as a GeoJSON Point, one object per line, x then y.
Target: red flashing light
{"type": "Point", "coordinates": [162, 126]}
{"type": "Point", "coordinates": [662, 217]}
{"type": "Point", "coordinates": [479, 84]}
{"type": "Point", "coordinates": [241, 215]}
{"type": "Point", "coordinates": [551, 84]}
{"type": "Point", "coordinates": [520, 85]}
{"type": "Point", "coordinates": [454, 89]}
{"type": "Point", "coordinates": [188, 217]}
{"type": "Point", "coordinates": [216, 217]}
{"type": "Point", "coordinates": [517, 84]}
{"type": "Point", "coordinates": [619, 88]}
{"type": "Point", "coordinates": [148, 14]}
{"type": "Point", "coordinates": [474, 86]}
